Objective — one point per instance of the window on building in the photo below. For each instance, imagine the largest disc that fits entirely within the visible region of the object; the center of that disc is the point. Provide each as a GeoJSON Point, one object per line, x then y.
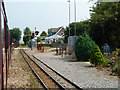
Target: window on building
{"type": "Point", "coordinates": [62, 33]}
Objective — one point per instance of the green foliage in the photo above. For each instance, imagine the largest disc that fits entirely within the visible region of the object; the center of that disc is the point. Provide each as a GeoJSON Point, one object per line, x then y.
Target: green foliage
{"type": "Point", "coordinates": [26, 39]}
{"type": "Point", "coordinates": [115, 69]}
{"type": "Point", "coordinates": [84, 47]}
{"type": "Point", "coordinates": [97, 57]}
{"type": "Point", "coordinates": [58, 41]}
{"type": "Point", "coordinates": [107, 62]}
{"type": "Point", "coordinates": [43, 33]}
{"type": "Point", "coordinates": [43, 39]}
{"type": "Point", "coordinates": [23, 45]}
{"type": "Point", "coordinates": [81, 27]}
{"type": "Point", "coordinates": [15, 34]}
{"type": "Point", "coordinates": [103, 27]}
{"type": "Point", "coordinates": [64, 40]}
{"type": "Point", "coordinates": [38, 39]}
{"type": "Point", "coordinates": [27, 35]}
{"type": "Point", "coordinates": [115, 61]}
{"type": "Point", "coordinates": [27, 31]}
{"type": "Point", "coordinates": [28, 42]}
{"type": "Point", "coordinates": [104, 24]}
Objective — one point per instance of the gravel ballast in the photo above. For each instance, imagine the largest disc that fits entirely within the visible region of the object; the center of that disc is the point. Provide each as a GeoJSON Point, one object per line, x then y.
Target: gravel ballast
{"type": "Point", "coordinates": [78, 72]}
{"type": "Point", "coordinates": [20, 75]}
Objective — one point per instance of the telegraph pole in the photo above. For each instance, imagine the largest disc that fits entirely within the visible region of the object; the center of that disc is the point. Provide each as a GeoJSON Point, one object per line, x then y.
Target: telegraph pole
{"type": "Point", "coordinates": [69, 17]}
{"type": "Point", "coordinates": [75, 15]}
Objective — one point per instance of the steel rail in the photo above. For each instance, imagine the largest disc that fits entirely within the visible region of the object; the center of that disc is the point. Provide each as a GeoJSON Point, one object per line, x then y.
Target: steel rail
{"type": "Point", "coordinates": [35, 73]}
{"type": "Point", "coordinates": [76, 86]}
{"type": "Point", "coordinates": [46, 72]}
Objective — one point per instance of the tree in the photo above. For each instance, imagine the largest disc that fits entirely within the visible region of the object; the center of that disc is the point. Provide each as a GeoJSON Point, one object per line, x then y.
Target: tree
{"type": "Point", "coordinates": [15, 34]}
{"type": "Point", "coordinates": [27, 35]}
{"type": "Point", "coordinates": [97, 57]}
{"type": "Point", "coordinates": [81, 27]}
{"type": "Point", "coordinates": [84, 47]}
{"type": "Point", "coordinates": [104, 24]}
{"type": "Point", "coordinates": [27, 31]}
{"type": "Point", "coordinates": [43, 33]}
{"type": "Point", "coordinates": [26, 39]}
{"type": "Point", "coordinates": [38, 39]}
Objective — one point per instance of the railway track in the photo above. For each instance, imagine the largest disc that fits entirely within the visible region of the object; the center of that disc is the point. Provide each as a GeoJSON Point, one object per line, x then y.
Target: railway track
{"type": "Point", "coordinates": [47, 81]}
{"type": "Point", "coordinates": [61, 76]}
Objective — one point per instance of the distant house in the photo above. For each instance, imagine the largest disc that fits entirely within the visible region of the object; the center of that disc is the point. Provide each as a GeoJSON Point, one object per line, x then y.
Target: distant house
{"type": "Point", "coordinates": [56, 31]}
{"type": "Point", "coordinates": [43, 37]}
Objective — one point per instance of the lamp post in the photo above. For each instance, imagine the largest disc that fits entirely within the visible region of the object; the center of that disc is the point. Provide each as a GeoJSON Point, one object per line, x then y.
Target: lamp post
{"type": "Point", "coordinates": [75, 15]}
{"type": "Point", "coordinates": [69, 17]}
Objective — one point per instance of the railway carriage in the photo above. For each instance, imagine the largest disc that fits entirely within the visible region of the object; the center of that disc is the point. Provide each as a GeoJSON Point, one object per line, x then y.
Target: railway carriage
{"type": "Point", "coordinates": [5, 47]}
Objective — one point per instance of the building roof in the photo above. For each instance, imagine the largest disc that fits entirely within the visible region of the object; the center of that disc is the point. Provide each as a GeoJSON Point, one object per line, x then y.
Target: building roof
{"type": "Point", "coordinates": [59, 30]}
{"type": "Point", "coordinates": [43, 37]}
{"type": "Point", "coordinates": [54, 29]}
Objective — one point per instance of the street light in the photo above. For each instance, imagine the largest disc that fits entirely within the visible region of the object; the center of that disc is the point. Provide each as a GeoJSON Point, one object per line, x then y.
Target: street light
{"type": "Point", "coordinates": [69, 17]}
{"type": "Point", "coordinates": [75, 14]}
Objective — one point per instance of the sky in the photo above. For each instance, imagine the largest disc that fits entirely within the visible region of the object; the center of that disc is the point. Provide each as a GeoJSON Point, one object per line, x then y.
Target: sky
{"type": "Point", "coordinates": [44, 14]}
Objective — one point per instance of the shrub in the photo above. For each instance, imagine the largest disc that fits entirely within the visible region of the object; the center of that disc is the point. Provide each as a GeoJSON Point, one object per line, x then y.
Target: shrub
{"type": "Point", "coordinates": [58, 41]}
{"type": "Point", "coordinates": [115, 61]}
{"type": "Point", "coordinates": [97, 57]}
{"type": "Point", "coordinates": [115, 69]}
{"type": "Point", "coordinates": [38, 39]}
{"type": "Point", "coordinates": [84, 47]}
{"type": "Point", "coordinates": [28, 42]}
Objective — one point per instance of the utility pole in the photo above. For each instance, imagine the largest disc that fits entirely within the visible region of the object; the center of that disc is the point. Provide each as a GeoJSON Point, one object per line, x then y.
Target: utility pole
{"type": "Point", "coordinates": [69, 17]}
{"type": "Point", "coordinates": [75, 15]}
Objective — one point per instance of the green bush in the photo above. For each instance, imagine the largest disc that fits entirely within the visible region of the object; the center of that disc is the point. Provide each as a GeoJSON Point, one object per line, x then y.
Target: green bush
{"type": "Point", "coordinates": [38, 39]}
{"type": "Point", "coordinates": [84, 47]}
{"type": "Point", "coordinates": [115, 69]}
{"type": "Point", "coordinates": [115, 61]}
{"type": "Point", "coordinates": [28, 42]}
{"type": "Point", "coordinates": [58, 41]}
{"type": "Point", "coordinates": [97, 57]}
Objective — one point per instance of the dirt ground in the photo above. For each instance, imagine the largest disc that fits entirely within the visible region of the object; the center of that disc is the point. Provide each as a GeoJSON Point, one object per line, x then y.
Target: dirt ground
{"type": "Point", "coordinates": [20, 75]}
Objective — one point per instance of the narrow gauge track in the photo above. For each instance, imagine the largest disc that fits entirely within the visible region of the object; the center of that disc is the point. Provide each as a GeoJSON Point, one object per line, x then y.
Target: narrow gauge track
{"type": "Point", "coordinates": [45, 79]}
{"type": "Point", "coordinates": [74, 86]}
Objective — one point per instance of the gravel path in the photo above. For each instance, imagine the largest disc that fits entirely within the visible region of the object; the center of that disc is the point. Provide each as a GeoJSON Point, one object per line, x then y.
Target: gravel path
{"type": "Point", "coordinates": [78, 72]}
